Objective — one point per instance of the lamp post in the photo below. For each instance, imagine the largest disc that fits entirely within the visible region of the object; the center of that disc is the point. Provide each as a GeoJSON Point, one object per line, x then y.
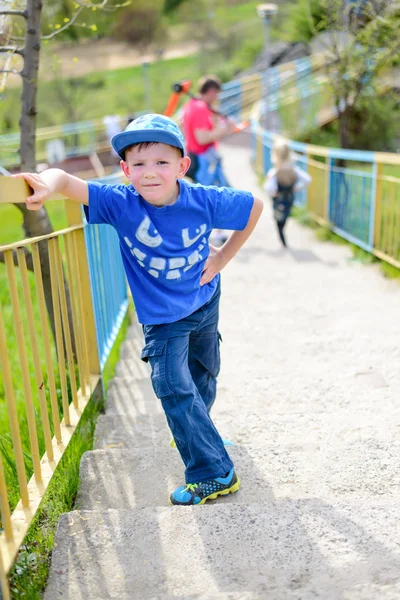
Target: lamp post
{"type": "Point", "coordinates": [266, 12]}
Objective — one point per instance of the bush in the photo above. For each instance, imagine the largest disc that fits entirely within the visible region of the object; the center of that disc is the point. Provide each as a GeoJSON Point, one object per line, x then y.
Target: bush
{"type": "Point", "coordinates": [248, 54]}
{"type": "Point", "coordinates": [376, 124]}
{"type": "Point", "coordinates": [140, 23]}
{"type": "Point", "coordinates": [302, 20]}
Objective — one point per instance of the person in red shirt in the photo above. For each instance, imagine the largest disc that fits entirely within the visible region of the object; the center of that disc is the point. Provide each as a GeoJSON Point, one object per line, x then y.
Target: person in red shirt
{"type": "Point", "coordinates": [202, 129]}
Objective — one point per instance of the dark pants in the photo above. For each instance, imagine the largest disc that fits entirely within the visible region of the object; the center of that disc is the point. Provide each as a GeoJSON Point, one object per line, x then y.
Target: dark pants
{"type": "Point", "coordinates": [185, 362]}
{"type": "Point", "coordinates": [282, 210]}
{"type": "Point", "coordinates": [280, 225]}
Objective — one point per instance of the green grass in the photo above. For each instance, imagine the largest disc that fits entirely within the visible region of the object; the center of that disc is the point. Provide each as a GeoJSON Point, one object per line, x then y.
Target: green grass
{"type": "Point", "coordinates": [11, 223]}
{"type": "Point", "coordinates": [29, 575]}
{"type": "Point", "coordinates": [121, 91]}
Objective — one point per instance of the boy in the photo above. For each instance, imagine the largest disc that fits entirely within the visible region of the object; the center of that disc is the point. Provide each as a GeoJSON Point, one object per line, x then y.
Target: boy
{"type": "Point", "coordinates": [163, 224]}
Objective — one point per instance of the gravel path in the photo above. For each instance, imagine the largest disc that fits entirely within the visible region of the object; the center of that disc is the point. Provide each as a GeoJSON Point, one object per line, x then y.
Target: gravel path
{"type": "Point", "coordinates": [310, 378]}
{"type": "Point", "coordinates": [319, 341]}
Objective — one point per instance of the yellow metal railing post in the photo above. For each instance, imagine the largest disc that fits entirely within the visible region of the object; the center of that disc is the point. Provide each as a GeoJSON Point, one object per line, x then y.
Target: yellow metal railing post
{"type": "Point", "coordinates": [73, 211]}
{"type": "Point", "coordinates": [378, 207]}
{"type": "Point", "coordinates": [46, 342]}
{"type": "Point", "coordinates": [5, 590]}
{"type": "Point", "coordinates": [65, 322]}
{"type": "Point", "coordinates": [4, 506]}
{"type": "Point", "coordinates": [12, 415]}
{"type": "Point", "coordinates": [30, 412]}
{"type": "Point", "coordinates": [58, 330]}
{"type": "Point", "coordinates": [35, 352]}
{"type": "Point", "coordinates": [78, 332]}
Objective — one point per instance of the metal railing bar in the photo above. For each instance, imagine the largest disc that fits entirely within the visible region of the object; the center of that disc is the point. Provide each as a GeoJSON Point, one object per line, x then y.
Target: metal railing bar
{"type": "Point", "coordinates": [12, 415]}
{"type": "Point", "coordinates": [35, 352]}
{"type": "Point", "coordinates": [23, 516]}
{"type": "Point", "coordinates": [79, 294]}
{"type": "Point", "coordinates": [65, 321]}
{"type": "Point", "coordinates": [39, 238]}
{"type": "Point", "coordinates": [58, 329]}
{"type": "Point", "coordinates": [46, 341]}
{"type": "Point", "coordinates": [30, 413]}
{"type": "Point", "coordinates": [78, 334]}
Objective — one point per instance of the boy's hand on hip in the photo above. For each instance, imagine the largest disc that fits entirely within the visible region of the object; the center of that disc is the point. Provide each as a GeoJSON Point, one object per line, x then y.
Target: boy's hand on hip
{"type": "Point", "coordinates": [213, 265]}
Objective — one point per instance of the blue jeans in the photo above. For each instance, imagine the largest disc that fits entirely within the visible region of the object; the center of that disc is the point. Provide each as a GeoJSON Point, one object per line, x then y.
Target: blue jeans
{"type": "Point", "coordinates": [185, 362]}
{"type": "Point", "coordinates": [209, 170]}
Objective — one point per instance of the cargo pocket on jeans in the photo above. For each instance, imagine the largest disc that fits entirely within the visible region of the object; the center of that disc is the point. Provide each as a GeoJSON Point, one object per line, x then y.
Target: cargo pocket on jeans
{"type": "Point", "coordinates": [205, 349]}
{"type": "Point", "coordinates": [155, 353]}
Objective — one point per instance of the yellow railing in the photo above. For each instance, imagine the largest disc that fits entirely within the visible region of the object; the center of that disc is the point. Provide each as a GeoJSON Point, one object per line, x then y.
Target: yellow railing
{"type": "Point", "coordinates": [352, 191]}
{"type": "Point", "coordinates": [48, 376]}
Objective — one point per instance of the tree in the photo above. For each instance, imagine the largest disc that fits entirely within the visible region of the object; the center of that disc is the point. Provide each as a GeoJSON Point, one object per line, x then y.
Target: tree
{"type": "Point", "coordinates": [35, 223]}
{"type": "Point", "coordinates": [355, 69]}
{"type": "Point", "coordinates": [360, 40]}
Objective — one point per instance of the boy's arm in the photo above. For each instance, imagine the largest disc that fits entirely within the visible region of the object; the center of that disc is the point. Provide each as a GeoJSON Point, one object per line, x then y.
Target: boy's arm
{"type": "Point", "coordinates": [54, 181]}
{"type": "Point", "coordinates": [220, 257]}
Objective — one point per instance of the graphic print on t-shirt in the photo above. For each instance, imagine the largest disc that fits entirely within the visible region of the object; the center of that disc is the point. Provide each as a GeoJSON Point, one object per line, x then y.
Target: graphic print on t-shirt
{"type": "Point", "coordinates": [159, 266]}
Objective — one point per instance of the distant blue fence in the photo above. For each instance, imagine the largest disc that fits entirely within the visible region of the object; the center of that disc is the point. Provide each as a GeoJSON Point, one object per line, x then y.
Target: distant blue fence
{"type": "Point", "coordinates": [356, 193]}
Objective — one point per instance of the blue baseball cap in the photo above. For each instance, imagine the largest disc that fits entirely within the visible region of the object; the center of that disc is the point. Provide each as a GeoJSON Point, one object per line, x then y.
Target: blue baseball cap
{"type": "Point", "coordinates": [149, 128]}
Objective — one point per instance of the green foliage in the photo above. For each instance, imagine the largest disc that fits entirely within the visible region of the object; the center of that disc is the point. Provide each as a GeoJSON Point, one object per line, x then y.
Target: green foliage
{"type": "Point", "coordinates": [248, 53]}
{"type": "Point", "coordinates": [303, 217]}
{"type": "Point", "coordinates": [91, 21]}
{"type": "Point", "coordinates": [171, 5]}
{"type": "Point", "coordinates": [302, 20]}
{"type": "Point", "coordinates": [112, 92]}
{"type": "Point", "coordinates": [375, 124]}
{"type": "Point", "coordinates": [140, 23]}
{"type": "Point", "coordinates": [323, 136]}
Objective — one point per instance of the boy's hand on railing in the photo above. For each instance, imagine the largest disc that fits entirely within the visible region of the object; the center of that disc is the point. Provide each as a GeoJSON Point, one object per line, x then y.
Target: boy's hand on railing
{"type": "Point", "coordinates": [41, 191]}
{"type": "Point", "coordinates": [213, 265]}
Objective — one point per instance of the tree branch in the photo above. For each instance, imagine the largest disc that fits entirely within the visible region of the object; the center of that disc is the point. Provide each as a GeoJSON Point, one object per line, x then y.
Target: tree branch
{"type": "Point", "coordinates": [14, 71]}
{"type": "Point", "coordinates": [15, 13]}
{"type": "Point", "coordinates": [71, 22]}
{"type": "Point", "coordinates": [12, 50]}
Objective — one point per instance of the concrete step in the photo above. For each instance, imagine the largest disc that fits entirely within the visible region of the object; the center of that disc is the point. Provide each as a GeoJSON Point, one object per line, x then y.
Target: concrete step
{"type": "Point", "coordinates": [300, 393]}
{"type": "Point", "coordinates": [119, 478]}
{"type": "Point", "coordinates": [129, 396]}
{"type": "Point", "coordinates": [130, 363]}
{"type": "Point", "coordinates": [145, 418]}
{"type": "Point", "coordinates": [253, 424]}
{"type": "Point", "coordinates": [132, 367]}
{"type": "Point", "coordinates": [131, 431]}
{"type": "Point", "coordinates": [279, 549]}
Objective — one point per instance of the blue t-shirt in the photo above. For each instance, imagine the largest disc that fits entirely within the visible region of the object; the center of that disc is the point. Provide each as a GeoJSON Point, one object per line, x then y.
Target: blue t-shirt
{"type": "Point", "coordinates": [164, 249]}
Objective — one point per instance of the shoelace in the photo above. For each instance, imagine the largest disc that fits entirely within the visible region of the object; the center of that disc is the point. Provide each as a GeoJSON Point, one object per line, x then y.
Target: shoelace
{"type": "Point", "coordinates": [192, 487]}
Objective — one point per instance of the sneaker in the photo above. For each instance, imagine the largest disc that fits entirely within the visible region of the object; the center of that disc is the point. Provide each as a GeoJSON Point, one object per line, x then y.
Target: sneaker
{"type": "Point", "coordinates": [199, 493]}
{"type": "Point", "coordinates": [172, 442]}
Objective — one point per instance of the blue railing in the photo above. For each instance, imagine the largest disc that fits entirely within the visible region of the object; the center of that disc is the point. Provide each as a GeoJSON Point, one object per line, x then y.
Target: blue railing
{"type": "Point", "coordinates": [355, 192]}
{"type": "Point", "coordinates": [107, 279]}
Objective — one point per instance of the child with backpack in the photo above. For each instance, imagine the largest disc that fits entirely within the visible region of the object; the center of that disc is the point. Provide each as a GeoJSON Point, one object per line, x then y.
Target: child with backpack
{"type": "Point", "coordinates": [282, 182]}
